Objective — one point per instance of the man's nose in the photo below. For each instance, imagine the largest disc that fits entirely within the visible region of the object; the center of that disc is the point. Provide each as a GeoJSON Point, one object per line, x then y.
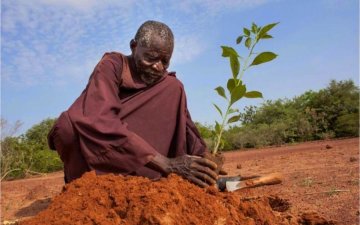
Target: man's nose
{"type": "Point", "coordinates": [158, 66]}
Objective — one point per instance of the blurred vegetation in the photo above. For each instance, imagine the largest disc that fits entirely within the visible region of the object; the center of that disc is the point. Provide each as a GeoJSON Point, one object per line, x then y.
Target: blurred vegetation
{"type": "Point", "coordinates": [27, 154]}
{"type": "Point", "coordinates": [332, 112]}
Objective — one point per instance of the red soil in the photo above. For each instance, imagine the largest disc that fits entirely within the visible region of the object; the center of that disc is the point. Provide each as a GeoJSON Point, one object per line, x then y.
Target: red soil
{"type": "Point", "coordinates": [316, 179]}
{"type": "Point", "coordinates": [110, 199]}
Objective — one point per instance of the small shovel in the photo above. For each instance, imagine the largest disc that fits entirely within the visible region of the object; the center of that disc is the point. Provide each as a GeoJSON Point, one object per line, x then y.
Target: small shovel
{"type": "Point", "coordinates": [234, 183]}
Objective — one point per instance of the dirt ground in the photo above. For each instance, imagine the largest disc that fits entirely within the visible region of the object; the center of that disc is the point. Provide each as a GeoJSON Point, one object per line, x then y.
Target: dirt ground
{"type": "Point", "coordinates": [317, 176]}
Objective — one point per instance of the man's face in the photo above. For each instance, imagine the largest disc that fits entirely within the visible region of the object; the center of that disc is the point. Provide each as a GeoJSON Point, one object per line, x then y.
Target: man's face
{"type": "Point", "coordinates": [151, 62]}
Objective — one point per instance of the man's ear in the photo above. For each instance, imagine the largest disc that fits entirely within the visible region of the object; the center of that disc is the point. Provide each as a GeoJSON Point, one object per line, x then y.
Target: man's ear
{"type": "Point", "coordinates": [133, 45]}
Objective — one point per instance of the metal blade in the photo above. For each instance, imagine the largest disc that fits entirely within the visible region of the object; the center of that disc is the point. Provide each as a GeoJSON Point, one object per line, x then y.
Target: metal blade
{"type": "Point", "coordinates": [221, 182]}
{"type": "Point", "coordinates": [232, 185]}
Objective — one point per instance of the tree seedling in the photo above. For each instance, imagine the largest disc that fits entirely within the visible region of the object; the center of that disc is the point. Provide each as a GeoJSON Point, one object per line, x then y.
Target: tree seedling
{"type": "Point", "coordinates": [236, 89]}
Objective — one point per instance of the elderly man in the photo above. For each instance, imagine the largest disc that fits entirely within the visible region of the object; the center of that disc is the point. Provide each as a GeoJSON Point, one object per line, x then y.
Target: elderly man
{"type": "Point", "coordinates": [132, 117]}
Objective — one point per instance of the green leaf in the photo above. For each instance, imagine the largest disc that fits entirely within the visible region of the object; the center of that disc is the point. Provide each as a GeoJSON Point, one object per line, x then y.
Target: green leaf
{"type": "Point", "coordinates": [266, 36]}
{"type": "Point", "coordinates": [233, 111]}
{"type": "Point", "coordinates": [239, 39]}
{"type": "Point", "coordinates": [253, 94]}
{"type": "Point", "coordinates": [237, 93]}
{"type": "Point", "coordinates": [246, 32]}
{"type": "Point", "coordinates": [217, 127]}
{"type": "Point", "coordinates": [263, 58]}
{"type": "Point", "coordinates": [235, 65]}
{"type": "Point", "coordinates": [234, 119]}
{"type": "Point", "coordinates": [231, 84]}
{"type": "Point", "coordinates": [248, 42]}
{"type": "Point", "coordinates": [253, 28]}
{"type": "Point", "coordinates": [218, 109]}
{"type": "Point", "coordinates": [220, 90]}
{"type": "Point", "coordinates": [266, 28]}
{"type": "Point", "coordinates": [229, 52]}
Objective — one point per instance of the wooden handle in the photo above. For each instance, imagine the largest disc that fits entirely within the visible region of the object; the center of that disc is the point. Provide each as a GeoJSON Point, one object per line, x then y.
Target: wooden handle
{"type": "Point", "coordinates": [273, 178]}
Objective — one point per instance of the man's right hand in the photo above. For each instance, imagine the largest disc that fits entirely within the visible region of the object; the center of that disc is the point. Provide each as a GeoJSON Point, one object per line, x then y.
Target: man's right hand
{"type": "Point", "coordinates": [198, 170]}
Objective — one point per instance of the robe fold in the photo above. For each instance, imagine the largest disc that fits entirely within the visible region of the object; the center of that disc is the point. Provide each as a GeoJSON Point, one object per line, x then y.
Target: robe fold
{"type": "Point", "coordinates": [119, 123]}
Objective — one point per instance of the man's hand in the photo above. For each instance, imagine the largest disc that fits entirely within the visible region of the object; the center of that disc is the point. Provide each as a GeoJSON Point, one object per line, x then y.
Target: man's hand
{"type": "Point", "coordinates": [198, 170]}
{"type": "Point", "coordinates": [219, 160]}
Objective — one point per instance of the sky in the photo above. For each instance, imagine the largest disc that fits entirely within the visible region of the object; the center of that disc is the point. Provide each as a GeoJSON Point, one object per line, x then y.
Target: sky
{"type": "Point", "coordinates": [50, 47]}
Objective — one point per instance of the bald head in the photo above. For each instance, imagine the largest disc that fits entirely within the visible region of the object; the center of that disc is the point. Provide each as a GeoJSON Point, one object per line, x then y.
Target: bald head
{"type": "Point", "coordinates": [150, 29]}
{"type": "Point", "coordinates": [151, 50]}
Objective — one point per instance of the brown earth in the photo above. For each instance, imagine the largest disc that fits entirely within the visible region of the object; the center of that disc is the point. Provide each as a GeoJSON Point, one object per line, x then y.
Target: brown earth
{"type": "Point", "coordinates": [321, 177]}
{"type": "Point", "coordinates": [110, 199]}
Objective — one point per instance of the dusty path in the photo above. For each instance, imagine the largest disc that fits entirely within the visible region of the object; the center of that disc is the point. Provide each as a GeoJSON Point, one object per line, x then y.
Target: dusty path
{"type": "Point", "coordinates": [318, 176]}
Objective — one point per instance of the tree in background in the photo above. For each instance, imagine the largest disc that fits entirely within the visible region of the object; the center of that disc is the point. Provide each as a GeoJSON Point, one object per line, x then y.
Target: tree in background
{"type": "Point", "coordinates": [28, 153]}
{"type": "Point", "coordinates": [331, 112]}
{"type": "Point", "coordinates": [339, 103]}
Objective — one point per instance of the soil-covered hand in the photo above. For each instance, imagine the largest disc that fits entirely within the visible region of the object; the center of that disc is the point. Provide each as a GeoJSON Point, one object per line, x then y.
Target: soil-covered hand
{"type": "Point", "coordinates": [198, 170]}
{"type": "Point", "coordinates": [219, 160]}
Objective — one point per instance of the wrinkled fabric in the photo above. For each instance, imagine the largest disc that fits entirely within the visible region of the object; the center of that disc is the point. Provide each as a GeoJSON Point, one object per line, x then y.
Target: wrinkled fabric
{"type": "Point", "coordinates": [119, 123]}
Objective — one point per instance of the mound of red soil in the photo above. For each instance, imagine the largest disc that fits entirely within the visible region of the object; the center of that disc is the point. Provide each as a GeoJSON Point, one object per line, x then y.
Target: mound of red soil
{"type": "Point", "coordinates": [110, 199]}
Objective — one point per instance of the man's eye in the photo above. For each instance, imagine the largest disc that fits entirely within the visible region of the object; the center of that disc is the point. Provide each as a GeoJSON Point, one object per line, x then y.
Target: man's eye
{"type": "Point", "coordinates": [151, 58]}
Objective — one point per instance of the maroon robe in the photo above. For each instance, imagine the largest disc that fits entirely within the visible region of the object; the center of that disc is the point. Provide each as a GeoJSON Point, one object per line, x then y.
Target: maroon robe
{"type": "Point", "coordinates": [118, 123]}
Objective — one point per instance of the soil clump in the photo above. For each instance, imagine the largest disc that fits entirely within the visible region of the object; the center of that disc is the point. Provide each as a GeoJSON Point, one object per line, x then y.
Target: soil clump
{"type": "Point", "coordinates": [110, 199]}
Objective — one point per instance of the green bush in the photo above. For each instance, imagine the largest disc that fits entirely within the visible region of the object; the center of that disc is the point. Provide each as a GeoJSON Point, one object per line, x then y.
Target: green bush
{"type": "Point", "coordinates": [329, 113]}
{"type": "Point", "coordinates": [46, 161]}
{"type": "Point", "coordinates": [37, 134]}
{"type": "Point", "coordinates": [29, 154]}
{"type": "Point", "coordinates": [264, 135]}
{"type": "Point", "coordinates": [13, 160]}
{"type": "Point", "coordinates": [347, 125]}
